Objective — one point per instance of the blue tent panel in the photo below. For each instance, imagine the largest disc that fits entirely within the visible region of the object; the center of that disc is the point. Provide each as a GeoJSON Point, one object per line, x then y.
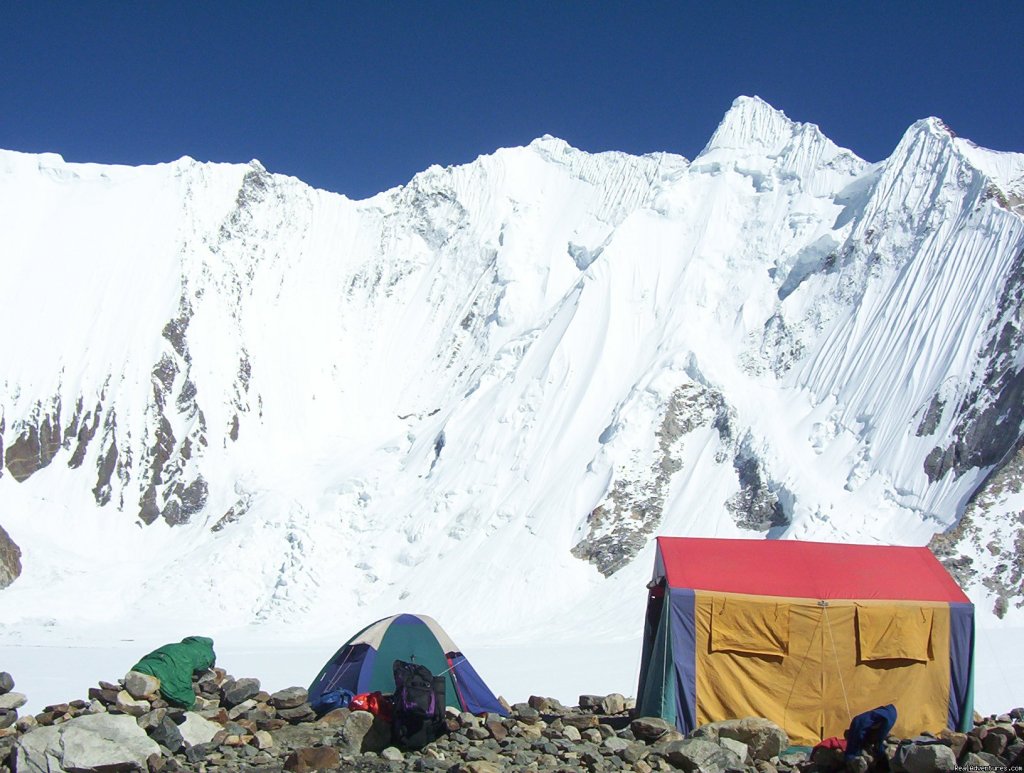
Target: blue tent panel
{"type": "Point", "coordinates": [473, 693]}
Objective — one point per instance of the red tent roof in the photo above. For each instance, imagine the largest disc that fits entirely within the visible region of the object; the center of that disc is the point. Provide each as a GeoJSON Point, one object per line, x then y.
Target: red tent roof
{"type": "Point", "coordinates": [816, 570]}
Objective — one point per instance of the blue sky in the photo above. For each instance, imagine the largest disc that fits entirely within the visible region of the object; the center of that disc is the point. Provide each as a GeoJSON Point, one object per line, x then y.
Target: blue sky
{"type": "Point", "coordinates": [357, 97]}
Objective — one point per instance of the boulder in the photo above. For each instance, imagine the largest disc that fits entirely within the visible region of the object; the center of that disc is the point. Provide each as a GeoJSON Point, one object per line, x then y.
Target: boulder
{"type": "Point", "coordinates": [196, 730]}
{"type": "Point", "coordinates": [8, 717]}
{"type": "Point", "coordinates": [142, 686]}
{"type": "Point", "coordinates": [764, 738]}
{"type": "Point", "coordinates": [740, 749]}
{"type": "Point", "coordinates": [167, 734]}
{"type": "Point", "coordinates": [702, 756]}
{"type": "Point", "coordinates": [924, 758]}
{"type": "Point", "coordinates": [363, 732]}
{"type": "Point", "coordinates": [107, 697]}
{"type": "Point", "coordinates": [88, 742]}
{"type": "Point", "coordinates": [289, 698]}
{"type": "Point", "coordinates": [526, 714]}
{"type": "Point", "coordinates": [301, 713]}
{"type": "Point", "coordinates": [12, 700]}
{"type": "Point", "coordinates": [650, 729]}
{"type": "Point", "coordinates": [310, 758]}
{"type": "Point", "coordinates": [151, 720]}
{"type": "Point", "coordinates": [392, 754]}
{"type": "Point", "coordinates": [241, 709]}
{"type": "Point", "coordinates": [126, 704]}
{"type": "Point", "coordinates": [540, 703]}
{"type": "Point", "coordinates": [980, 761]}
{"type": "Point", "coordinates": [613, 704]}
{"type": "Point", "coordinates": [478, 766]}
{"type": "Point", "coordinates": [239, 690]}
{"type": "Point", "coordinates": [590, 702]}
{"type": "Point", "coordinates": [6, 682]}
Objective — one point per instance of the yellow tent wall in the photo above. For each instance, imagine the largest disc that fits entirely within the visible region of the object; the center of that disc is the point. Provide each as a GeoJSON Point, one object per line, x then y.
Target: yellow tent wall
{"type": "Point", "coordinates": [812, 665]}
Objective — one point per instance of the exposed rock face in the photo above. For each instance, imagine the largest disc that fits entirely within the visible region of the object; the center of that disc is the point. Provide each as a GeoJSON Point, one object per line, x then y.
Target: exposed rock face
{"type": "Point", "coordinates": [991, 526]}
{"type": "Point", "coordinates": [991, 416]}
{"type": "Point", "coordinates": [755, 506]}
{"type": "Point", "coordinates": [10, 559]}
{"type": "Point", "coordinates": [619, 528]}
{"type": "Point", "coordinates": [37, 443]}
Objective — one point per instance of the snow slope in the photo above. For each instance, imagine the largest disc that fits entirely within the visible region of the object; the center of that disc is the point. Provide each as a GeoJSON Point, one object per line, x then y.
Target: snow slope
{"type": "Point", "coordinates": [232, 403]}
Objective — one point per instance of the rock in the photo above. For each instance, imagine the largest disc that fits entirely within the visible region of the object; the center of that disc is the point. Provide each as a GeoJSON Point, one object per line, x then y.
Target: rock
{"type": "Point", "coordinates": [613, 704]}
{"type": "Point", "coordinates": [6, 682]}
{"type": "Point", "coordinates": [979, 761]}
{"type": "Point", "coordinates": [8, 717]}
{"type": "Point", "coordinates": [126, 704]}
{"type": "Point", "coordinates": [526, 714]}
{"type": "Point", "coordinates": [167, 734]}
{"type": "Point", "coordinates": [301, 713]}
{"type": "Point", "coordinates": [363, 732]}
{"type": "Point", "coordinates": [309, 758]}
{"type": "Point", "coordinates": [956, 741]}
{"type": "Point", "coordinates": [392, 754]}
{"type": "Point", "coordinates": [12, 700]}
{"type": "Point", "coordinates": [334, 717]}
{"type": "Point", "coordinates": [590, 702]}
{"type": "Point", "coordinates": [925, 757]}
{"type": "Point", "coordinates": [203, 704]}
{"type": "Point", "coordinates": [991, 743]}
{"type": "Point", "coordinates": [142, 686]}
{"type": "Point", "coordinates": [994, 743]}
{"type": "Point", "coordinates": [615, 745]}
{"type": "Point", "coordinates": [697, 754]}
{"type": "Point", "coordinates": [650, 729]}
{"type": "Point", "coordinates": [85, 743]}
{"type": "Point", "coordinates": [540, 704]}
{"type": "Point", "coordinates": [477, 766]}
{"type": "Point", "coordinates": [107, 697]}
{"type": "Point", "coordinates": [241, 708]}
{"type": "Point", "coordinates": [764, 738]}
{"type": "Point", "coordinates": [289, 698]}
{"type": "Point", "coordinates": [261, 739]}
{"type": "Point", "coordinates": [239, 690]}
{"type": "Point", "coordinates": [196, 730]}
{"type": "Point", "coordinates": [580, 721]}
{"type": "Point", "coordinates": [740, 749]}
{"type": "Point", "coordinates": [24, 724]}
{"type": "Point", "coordinates": [497, 730]}
{"type": "Point", "coordinates": [151, 720]}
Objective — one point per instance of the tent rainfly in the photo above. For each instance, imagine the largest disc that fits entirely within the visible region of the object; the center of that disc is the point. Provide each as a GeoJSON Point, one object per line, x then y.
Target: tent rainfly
{"type": "Point", "coordinates": [364, 663]}
{"type": "Point", "coordinates": [805, 634]}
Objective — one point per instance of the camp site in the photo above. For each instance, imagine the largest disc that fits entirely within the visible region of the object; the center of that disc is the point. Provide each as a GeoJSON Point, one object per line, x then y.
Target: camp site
{"type": "Point", "coordinates": [859, 658]}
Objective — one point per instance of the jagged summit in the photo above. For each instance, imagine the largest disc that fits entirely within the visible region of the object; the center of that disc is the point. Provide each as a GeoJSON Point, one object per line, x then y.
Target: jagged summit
{"type": "Point", "coordinates": [750, 121]}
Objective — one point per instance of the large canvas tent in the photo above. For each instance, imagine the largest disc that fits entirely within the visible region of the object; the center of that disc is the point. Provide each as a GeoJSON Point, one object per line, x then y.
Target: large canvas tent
{"type": "Point", "coordinates": [364, 663]}
{"type": "Point", "coordinates": [805, 634]}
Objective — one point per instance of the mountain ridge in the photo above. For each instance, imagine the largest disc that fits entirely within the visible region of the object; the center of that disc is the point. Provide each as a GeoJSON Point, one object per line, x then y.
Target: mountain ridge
{"type": "Point", "coordinates": [543, 356]}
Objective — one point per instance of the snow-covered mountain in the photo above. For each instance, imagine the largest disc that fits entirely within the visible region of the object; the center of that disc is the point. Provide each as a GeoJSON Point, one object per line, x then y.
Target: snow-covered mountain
{"type": "Point", "coordinates": [228, 398]}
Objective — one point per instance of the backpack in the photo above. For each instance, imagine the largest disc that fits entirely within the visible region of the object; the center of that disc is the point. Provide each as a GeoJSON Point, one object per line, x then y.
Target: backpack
{"type": "Point", "coordinates": [417, 716]}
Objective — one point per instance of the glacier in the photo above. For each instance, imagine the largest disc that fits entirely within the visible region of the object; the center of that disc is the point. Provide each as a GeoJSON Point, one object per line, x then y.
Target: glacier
{"type": "Point", "coordinates": [231, 403]}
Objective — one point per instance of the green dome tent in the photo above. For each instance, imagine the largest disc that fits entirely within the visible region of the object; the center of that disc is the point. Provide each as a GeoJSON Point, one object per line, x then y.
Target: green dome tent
{"type": "Point", "coordinates": [364, 663]}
